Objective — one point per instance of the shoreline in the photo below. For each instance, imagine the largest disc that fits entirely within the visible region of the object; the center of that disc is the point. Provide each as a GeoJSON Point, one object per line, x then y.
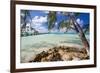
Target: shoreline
{"type": "Point", "coordinates": [28, 56]}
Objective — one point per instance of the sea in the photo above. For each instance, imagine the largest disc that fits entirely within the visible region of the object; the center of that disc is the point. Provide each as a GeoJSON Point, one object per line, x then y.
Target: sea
{"type": "Point", "coordinates": [32, 45]}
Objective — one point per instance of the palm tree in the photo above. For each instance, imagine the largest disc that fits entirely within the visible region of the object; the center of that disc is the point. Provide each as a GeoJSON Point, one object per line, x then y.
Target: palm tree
{"type": "Point", "coordinates": [71, 23]}
{"type": "Point", "coordinates": [51, 19]}
{"type": "Point", "coordinates": [25, 17]}
{"type": "Point", "coordinates": [80, 32]}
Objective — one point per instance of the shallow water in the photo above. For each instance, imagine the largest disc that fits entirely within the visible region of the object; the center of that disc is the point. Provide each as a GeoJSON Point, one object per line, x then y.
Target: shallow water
{"type": "Point", "coordinates": [31, 45]}
{"type": "Point", "coordinates": [47, 40]}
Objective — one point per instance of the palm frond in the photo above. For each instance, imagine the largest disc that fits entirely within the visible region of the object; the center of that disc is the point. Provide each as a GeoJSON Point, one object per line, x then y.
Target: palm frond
{"type": "Point", "coordinates": [66, 24]}
{"type": "Point", "coordinates": [51, 19]}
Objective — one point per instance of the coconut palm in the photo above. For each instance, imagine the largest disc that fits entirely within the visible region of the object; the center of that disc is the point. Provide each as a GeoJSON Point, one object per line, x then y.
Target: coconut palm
{"type": "Point", "coordinates": [25, 17]}
{"type": "Point", "coordinates": [70, 23]}
{"type": "Point", "coordinates": [51, 19]}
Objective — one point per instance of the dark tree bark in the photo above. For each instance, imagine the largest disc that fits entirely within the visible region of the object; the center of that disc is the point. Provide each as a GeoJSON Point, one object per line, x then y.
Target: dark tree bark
{"type": "Point", "coordinates": [81, 33]}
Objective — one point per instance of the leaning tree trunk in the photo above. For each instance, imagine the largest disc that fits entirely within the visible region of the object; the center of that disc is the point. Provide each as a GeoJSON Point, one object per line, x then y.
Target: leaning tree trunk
{"type": "Point", "coordinates": [81, 34]}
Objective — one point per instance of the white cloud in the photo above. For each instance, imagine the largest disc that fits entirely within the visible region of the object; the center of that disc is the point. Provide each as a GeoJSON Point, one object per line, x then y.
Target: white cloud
{"type": "Point", "coordinates": [38, 23]}
{"type": "Point", "coordinates": [56, 24]}
{"type": "Point", "coordinates": [42, 30]}
{"type": "Point", "coordinates": [59, 12]}
{"type": "Point", "coordinates": [54, 30]}
{"type": "Point", "coordinates": [79, 21]}
{"type": "Point", "coordinates": [39, 19]}
{"type": "Point", "coordinates": [36, 17]}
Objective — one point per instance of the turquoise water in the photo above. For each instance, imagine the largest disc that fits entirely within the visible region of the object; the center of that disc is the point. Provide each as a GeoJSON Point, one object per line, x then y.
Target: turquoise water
{"type": "Point", "coordinates": [48, 40]}
{"type": "Point", "coordinates": [32, 45]}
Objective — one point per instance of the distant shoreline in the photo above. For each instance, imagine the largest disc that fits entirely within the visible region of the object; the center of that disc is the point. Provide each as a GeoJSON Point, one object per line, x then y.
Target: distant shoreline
{"type": "Point", "coordinates": [55, 33]}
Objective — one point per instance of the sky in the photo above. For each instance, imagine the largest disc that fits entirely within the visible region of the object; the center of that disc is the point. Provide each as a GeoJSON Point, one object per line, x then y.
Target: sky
{"type": "Point", "coordinates": [39, 20]}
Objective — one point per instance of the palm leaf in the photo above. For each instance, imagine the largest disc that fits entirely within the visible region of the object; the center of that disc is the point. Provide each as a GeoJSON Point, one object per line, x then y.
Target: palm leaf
{"type": "Point", "coordinates": [51, 19]}
{"type": "Point", "coordinates": [66, 24]}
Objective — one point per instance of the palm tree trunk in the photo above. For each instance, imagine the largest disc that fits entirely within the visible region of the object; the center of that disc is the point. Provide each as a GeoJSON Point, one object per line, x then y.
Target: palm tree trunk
{"type": "Point", "coordinates": [81, 34]}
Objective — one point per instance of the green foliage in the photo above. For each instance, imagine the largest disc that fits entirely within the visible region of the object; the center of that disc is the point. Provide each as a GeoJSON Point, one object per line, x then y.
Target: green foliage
{"type": "Point", "coordinates": [51, 19]}
{"type": "Point", "coordinates": [65, 24]}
